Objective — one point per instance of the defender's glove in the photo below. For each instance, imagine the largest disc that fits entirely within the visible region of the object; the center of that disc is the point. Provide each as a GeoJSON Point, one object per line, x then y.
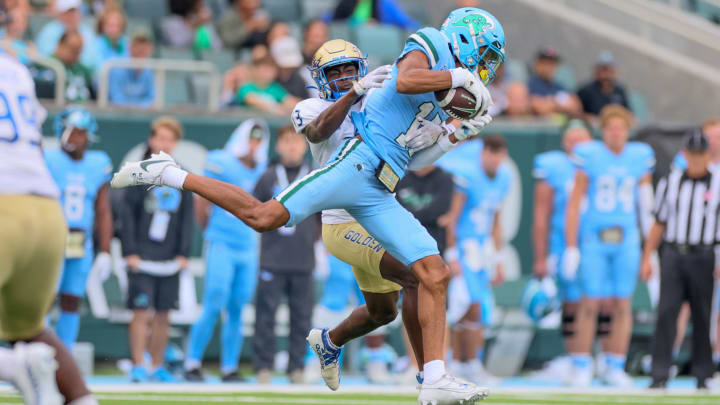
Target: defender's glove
{"type": "Point", "coordinates": [472, 126]}
{"type": "Point", "coordinates": [425, 135]}
{"type": "Point", "coordinates": [372, 80]}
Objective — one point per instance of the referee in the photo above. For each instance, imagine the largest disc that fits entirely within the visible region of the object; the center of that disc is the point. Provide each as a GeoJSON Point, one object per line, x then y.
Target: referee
{"type": "Point", "coordinates": [686, 213]}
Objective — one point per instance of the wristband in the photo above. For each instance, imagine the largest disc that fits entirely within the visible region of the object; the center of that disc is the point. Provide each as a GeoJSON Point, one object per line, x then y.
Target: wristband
{"type": "Point", "coordinates": [451, 254]}
{"type": "Point", "coordinates": [444, 143]}
{"type": "Point", "coordinates": [459, 77]}
{"type": "Point", "coordinates": [174, 177]}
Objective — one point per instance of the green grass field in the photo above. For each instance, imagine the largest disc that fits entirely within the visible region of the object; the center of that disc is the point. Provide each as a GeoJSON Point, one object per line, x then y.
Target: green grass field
{"type": "Point", "coordinates": [260, 398]}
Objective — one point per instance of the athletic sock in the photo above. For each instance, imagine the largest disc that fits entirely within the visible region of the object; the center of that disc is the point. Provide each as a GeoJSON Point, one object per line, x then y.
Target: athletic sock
{"type": "Point", "coordinates": [330, 342]}
{"type": "Point", "coordinates": [7, 364]}
{"type": "Point", "coordinates": [86, 400]}
{"type": "Point", "coordinates": [581, 360]}
{"type": "Point", "coordinates": [433, 371]}
{"type": "Point", "coordinates": [615, 361]}
{"type": "Point", "coordinates": [67, 327]}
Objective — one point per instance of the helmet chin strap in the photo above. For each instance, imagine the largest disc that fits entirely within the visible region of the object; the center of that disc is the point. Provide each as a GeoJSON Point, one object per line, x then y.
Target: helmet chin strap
{"type": "Point", "coordinates": [64, 139]}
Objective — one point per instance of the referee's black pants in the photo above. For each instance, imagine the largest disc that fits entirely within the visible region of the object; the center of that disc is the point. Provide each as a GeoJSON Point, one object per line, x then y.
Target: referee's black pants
{"type": "Point", "coordinates": [686, 275]}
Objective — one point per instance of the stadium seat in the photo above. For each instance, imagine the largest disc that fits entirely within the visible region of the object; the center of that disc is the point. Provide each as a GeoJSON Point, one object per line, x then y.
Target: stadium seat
{"type": "Point", "coordinates": [167, 52]}
{"type": "Point", "coordinates": [639, 106]}
{"type": "Point", "coordinates": [341, 30]}
{"type": "Point", "coordinates": [282, 10]}
{"type": "Point", "coordinates": [383, 43]}
{"type": "Point", "coordinates": [222, 59]}
{"type": "Point", "coordinates": [37, 21]}
{"type": "Point", "coordinates": [316, 8]}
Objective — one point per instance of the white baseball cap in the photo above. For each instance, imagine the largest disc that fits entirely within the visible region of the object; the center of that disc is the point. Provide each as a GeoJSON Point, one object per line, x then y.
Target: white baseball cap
{"type": "Point", "coordinates": [62, 6]}
{"type": "Point", "coordinates": [286, 52]}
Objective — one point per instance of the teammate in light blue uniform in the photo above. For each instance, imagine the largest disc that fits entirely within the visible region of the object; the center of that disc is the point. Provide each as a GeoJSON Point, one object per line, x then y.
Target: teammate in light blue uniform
{"type": "Point", "coordinates": [554, 175]}
{"type": "Point", "coordinates": [82, 177]}
{"type": "Point", "coordinates": [362, 174]}
{"type": "Point", "coordinates": [473, 242]}
{"type": "Point", "coordinates": [616, 176]}
{"type": "Point", "coordinates": [231, 254]}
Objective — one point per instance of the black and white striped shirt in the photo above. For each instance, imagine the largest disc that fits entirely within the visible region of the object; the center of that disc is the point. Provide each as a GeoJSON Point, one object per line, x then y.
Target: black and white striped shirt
{"type": "Point", "coordinates": [689, 208]}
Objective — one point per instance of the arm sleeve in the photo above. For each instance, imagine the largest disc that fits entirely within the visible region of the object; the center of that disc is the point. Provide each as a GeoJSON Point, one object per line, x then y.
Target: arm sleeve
{"type": "Point", "coordinates": [443, 191]}
{"type": "Point", "coordinates": [264, 186]}
{"type": "Point", "coordinates": [186, 224]}
{"type": "Point", "coordinates": [426, 157]}
{"type": "Point", "coordinates": [128, 219]}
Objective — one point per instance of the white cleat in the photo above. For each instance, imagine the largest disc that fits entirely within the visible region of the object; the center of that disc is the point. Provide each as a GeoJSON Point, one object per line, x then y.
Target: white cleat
{"type": "Point", "coordinates": [329, 357]}
{"type": "Point", "coordinates": [145, 172]}
{"type": "Point", "coordinates": [451, 390]}
{"type": "Point", "coordinates": [580, 377]}
{"type": "Point", "coordinates": [618, 378]}
{"type": "Point", "coordinates": [35, 374]}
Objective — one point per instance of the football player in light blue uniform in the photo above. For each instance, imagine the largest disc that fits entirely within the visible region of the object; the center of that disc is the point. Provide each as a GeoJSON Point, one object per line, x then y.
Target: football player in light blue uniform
{"type": "Point", "coordinates": [364, 171]}
{"type": "Point", "coordinates": [474, 242]}
{"type": "Point", "coordinates": [231, 254]}
{"type": "Point", "coordinates": [554, 175]}
{"type": "Point", "coordinates": [616, 176]}
{"type": "Point", "coordinates": [82, 176]}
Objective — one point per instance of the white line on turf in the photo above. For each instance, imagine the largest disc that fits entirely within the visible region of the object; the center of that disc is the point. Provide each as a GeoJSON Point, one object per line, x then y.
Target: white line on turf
{"type": "Point", "coordinates": [251, 399]}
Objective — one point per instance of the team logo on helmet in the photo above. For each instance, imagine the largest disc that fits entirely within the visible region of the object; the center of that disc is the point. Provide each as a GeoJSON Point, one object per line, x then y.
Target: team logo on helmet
{"type": "Point", "coordinates": [477, 22]}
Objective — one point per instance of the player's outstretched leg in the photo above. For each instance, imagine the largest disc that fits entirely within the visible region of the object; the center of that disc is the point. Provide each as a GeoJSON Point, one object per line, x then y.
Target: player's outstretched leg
{"type": "Point", "coordinates": [31, 369]}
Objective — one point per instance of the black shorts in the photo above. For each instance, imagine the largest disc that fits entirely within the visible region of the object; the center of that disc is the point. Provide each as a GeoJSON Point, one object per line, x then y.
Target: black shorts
{"type": "Point", "coordinates": [146, 291]}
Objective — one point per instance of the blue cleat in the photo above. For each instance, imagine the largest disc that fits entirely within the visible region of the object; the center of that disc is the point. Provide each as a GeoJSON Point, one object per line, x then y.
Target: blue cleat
{"type": "Point", "coordinates": [138, 374]}
{"type": "Point", "coordinates": [163, 375]}
{"type": "Point", "coordinates": [329, 357]}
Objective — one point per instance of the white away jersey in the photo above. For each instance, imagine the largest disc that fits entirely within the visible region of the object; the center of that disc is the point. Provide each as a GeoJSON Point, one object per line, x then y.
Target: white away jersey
{"type": "Point", "coordinates": [22, 167]}
{"type": "Point", "coordinates": [305, 112]}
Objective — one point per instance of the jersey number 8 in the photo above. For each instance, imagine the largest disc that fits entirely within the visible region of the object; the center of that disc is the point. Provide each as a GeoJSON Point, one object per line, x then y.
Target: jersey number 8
{"type": "Point", "coordinates": [608, 194]}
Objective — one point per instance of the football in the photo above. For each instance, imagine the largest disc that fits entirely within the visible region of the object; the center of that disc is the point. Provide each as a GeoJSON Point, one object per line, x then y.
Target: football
{"type": "Point", "coordinates": [459, 103]}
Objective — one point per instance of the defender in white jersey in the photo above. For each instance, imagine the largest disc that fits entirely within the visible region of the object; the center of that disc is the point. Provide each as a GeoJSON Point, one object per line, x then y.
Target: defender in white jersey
{"type": "Point", "coordinates": [325, 121]}
{"type": "Point", "coordinates": [32, 238]}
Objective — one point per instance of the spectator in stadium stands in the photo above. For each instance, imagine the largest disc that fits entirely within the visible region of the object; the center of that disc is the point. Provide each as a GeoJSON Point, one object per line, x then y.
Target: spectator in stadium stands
{"type": "Point", "coordinates": [427, 194]}
{"type": "Point", "coordinates": [286, 53]}
{"type": "Point", "coordinates": [547, 96]}
{"type": "Point", "coordinates": [244, 26]}
{"type": "Point", "coordinates": [67, 18]}
{"type": "Point", "coordinates": [111, 41]}
{"type": "Point", "coordinates": [232, 80]}
{"type": "Point", "coordinates": [315, 34]}
{"type": "Point", "coordinates": [157, 226]}
{"type": "Point", "coordinates": [134, 87]}
{"type": "Point", "coordinates": [277, 30]}
{"type": "Point", "coordinates": [287, 259]}
{"type": "Point", "coordinates": [510, 97]}
{"type": "Point", "coordinates": [78, 80]}
{"type": "Point", "coordinates": [359, 12]}
{"type": "Point", "coordinates": [190, 26]}
{"type": "Point", "coordinates": [11, 37]}
{"type": "Point", "coordinates": [263, 92]}
{"type": "Point", "coordinates": [604, 88]}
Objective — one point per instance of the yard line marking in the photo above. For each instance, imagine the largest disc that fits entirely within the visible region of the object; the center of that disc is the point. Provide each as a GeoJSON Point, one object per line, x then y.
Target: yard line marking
{"type": "Point", "coordinates": [242, 399]}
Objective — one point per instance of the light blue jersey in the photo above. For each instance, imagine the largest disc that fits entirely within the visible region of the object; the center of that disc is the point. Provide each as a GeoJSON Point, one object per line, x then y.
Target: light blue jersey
{"type": "Point", "coordinates": [79, 182]}
{"type": "Point", "coordinates": [462, 159]}
{"type": "Point", "coordinates": [390, 115]}
{"type": "Point", "coordinates": [612, 189]}
{"type": "Point", "coordinates": [556, 168]}
{"type": "Point", "coordinates": [609, 233]}
{"type": "Point", "coordinates": [484, 197]}
{"type": "Point", "coordinates": [679, 162]}
{"type": "Point", "coordinates": [222, 225]}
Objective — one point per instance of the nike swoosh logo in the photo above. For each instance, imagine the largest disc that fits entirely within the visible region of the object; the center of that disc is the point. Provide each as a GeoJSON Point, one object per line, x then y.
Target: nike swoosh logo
{"type": "Point", "coordinates": [144, 165]}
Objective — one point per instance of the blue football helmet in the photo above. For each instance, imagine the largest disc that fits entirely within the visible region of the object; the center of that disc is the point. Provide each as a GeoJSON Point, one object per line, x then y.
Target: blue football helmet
{"type": "Point", "coordinates": [540, 298]}
{"type": "Point", "coordinates": [75, 117]}
{"type": "Point", "coordinates": [477, 40]}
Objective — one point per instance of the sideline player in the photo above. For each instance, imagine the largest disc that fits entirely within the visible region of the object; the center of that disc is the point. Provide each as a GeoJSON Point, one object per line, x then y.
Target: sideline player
{"type": "Point", "coordinates": [32, 238]}
{"type": "Point", "coordinates": [616, 176]}
{"type": "Point", "coordinates": [554, 174]}
{"type": "Point", "coordinates": [326, 123]}
{"type": "Point", "coordinates": [474, 244]}
{"type": "Point", "coordinates": [364, 171]}
{"type": "Point", "coordinates": [82, 176]}
{"type": "Point", "coordinates": [232, 251]}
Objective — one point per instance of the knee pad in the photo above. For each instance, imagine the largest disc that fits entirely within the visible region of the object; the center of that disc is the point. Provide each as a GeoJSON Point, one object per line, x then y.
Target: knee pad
{"type": "Point", "coordinates": [568, 325]}
{"type": "Point", "coordinates": [603, 324]}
